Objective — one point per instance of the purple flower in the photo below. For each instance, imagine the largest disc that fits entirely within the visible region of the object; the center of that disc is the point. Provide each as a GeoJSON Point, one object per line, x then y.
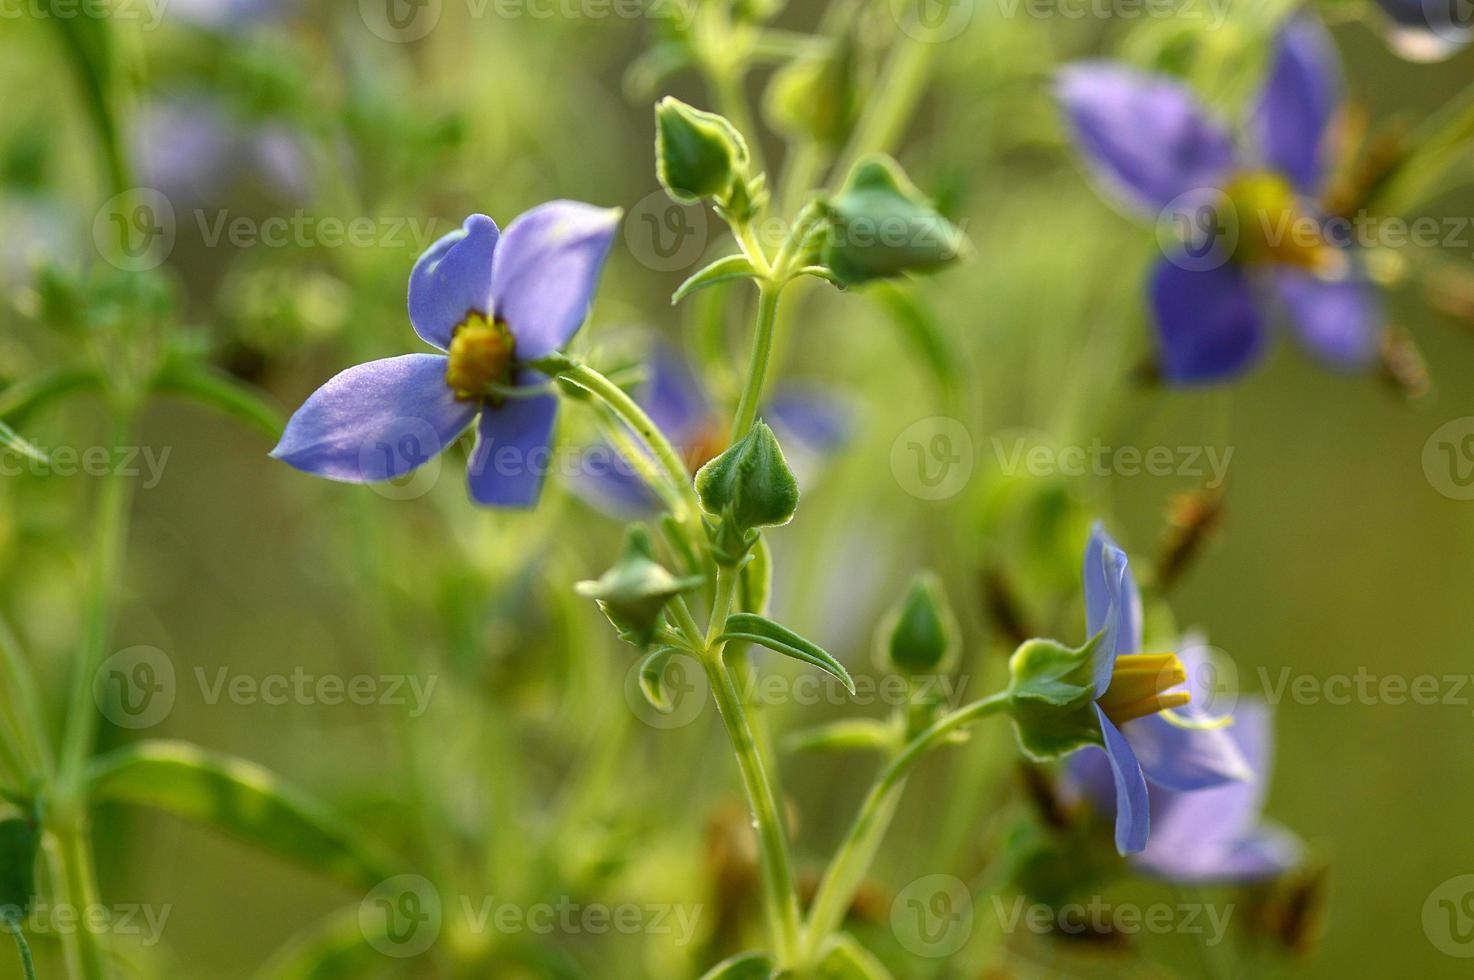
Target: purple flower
{"type": "Point", "coordinates": [1205, 835]}
{"type": "Point", "coordinates": [193, 151]}
{"type": "Point", "coordinates": [495, 304]}
{"type": "Point", "coordinates": [1428, 30]}
{"type": "Point", "coordinates": [1132, 690]}
{"type": "Point", "coordinates": [1259, 247]}
{"type": "Point", "coordinates": [810, 423]}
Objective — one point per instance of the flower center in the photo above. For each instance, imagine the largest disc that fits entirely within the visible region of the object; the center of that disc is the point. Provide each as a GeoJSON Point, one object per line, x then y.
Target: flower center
{"type": "Point", "coordinates": [1270, 227]}
{"type": "Point", "coordinates": [1141, 685]}
{"type": "Point", "coordinates": [480, 357]}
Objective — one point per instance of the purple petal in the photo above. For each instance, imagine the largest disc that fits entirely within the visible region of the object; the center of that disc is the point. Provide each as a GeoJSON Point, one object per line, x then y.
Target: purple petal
{"type": "Point", "coordinates": [1188, 759]}
{"type": "Point", "coordinates": [1265, 852]}
{"type": "Point", "coordinates": [1207, 321]}
{"type": "Point", "coordinates": [672, 397]}
{"type": "Point", "coordinates": [812, 419]}
{"type": "Point", "coordinates": [1112, 603]}
{"type": "Point", "coordinates": [544, 275]}
{"type": "Point", "coordinates": [1298, 102]}
{"type": "Point", "coordinates": [1133, 812]}
{"type": "Point", "coordinates": [376, 421]}
{"type": "Point", "coordinates": [1338, 321]}
{"type": "Point", "coordinates": [452, 280]}
{"type": "Point", "coordinates": [1147, 136]}
{"type": "Point", "coordinates": [513, 453]}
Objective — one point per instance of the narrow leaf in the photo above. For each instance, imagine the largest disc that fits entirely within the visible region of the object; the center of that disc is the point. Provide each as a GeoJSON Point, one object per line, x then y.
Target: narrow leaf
{"type": "Point", "coordinates": [845, 959]}
{"type": "Point", "coordinates": [781, 639]}
{"type": "Point", "coordinates": [722, 270]}
{"type": "Point", "coordinates": [13, 441]}
{"type": "Point", "coordinates": [652, 678]}
{"type": "Point", "coordinates": [239, 798]}
{"type": "Point", "coordinates": [845, 735]}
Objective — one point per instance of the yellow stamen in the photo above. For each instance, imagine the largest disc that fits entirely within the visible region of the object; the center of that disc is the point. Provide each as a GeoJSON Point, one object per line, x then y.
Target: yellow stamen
{"type": "Point", "coordinates": [1271, 228]}
{"type": "Point", "coordinates": [480, 357]}
{"type": "Point", "coordinates": [1142, 684]}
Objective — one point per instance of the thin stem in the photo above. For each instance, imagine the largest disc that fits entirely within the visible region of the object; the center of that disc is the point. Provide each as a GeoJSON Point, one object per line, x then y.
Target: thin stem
{"type": "Point", "coordinates": [27, 966]}
{"type": "Point", "coordinates": [853, 859]}
{"type": "Point", "coordinates": [762, 350]}
{"type": "Point", "coordinates": [86, 954]}
{"type": "Point", "coordinates": [727, 582]}
{"type": "Point", "coordinates": [110, 537]}
{"type": "Point", "coordinates": [781, 897]}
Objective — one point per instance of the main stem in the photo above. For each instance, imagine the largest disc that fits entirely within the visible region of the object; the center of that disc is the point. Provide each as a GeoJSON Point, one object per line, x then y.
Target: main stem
{"type": "Point", "coordinates": [762, 351]}
{"type": "Point", "coordinates": [781, 898]}
{"type": "Point", "coordinates": [853, 859]}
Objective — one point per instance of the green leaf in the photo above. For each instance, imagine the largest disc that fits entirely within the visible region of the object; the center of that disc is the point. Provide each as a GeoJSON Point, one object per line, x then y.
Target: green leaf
{"type": "Point", "coordinates": [744, 966]}
{"type": "Point", "coordinates": [722, 270]}
{"type": "Point", "coordinates": [845, 735]}
{"type": "Point", "coordinates": [652, 678]}
{"type": "Point", "coordinates": [220, 391]}
{"type": "Point", "coordinates": [242, 799]}
{"type": "Point", "coordinates": [780, 639]}
{"type": "Point", "coordinates": [13, 441]}
{"type": "Point", "coordinates": [18, 847]}
{"type": "Point", "coordinates": [845, 959]}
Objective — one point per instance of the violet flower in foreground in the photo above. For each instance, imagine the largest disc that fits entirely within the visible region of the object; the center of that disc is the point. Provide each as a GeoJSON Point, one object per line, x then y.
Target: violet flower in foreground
{"type": "Point", "coordinates": [1149, 728]}
{"type": "Point", "coordinates": [1206, 835]}
{"type": "Point", "coordinates": [1151, 141]}
{"type": "Point", "coordinates": [811, 424]}
{"type": "Point", "coordinates": [495, 304]}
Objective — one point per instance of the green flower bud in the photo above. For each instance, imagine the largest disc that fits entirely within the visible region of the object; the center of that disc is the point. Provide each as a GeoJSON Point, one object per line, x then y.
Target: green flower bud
{"type": "Point", "coordinates": [634, 593]}
{"type": "Point", "coordinates": [697, 154]}
{"type": "Point", "coordinates": [1052, 698]}
{"type": "Point", "coordinates": [750, 485]}
{"type": "Point", "coordinates": [880, 226]}
{"type": "Point", "coordinates": [919, 636]}
{"type": "Point", "coordinates": [814, 98]}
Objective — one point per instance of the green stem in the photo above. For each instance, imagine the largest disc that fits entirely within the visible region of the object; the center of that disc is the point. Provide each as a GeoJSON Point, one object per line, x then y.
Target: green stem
{"type": "Point", "coordinates": [27, 966]}
{"type": "Point", "coordinates": [781, 898]}
{"type": "Point", "coordinates": [762, 350]}
{"type": "Point", "coordinates": [86, 954]}
{"type": "Point", "coordinates": [853, 859]}
{"type": "Point", "coordinates": [109, 539]}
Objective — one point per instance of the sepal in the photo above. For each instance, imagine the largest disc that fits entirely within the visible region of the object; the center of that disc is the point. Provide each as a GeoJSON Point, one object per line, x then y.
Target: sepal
{"type": "Point", "coordinates": [1052, 698]}
{"type": "Point", "coordinates": [634, 593]}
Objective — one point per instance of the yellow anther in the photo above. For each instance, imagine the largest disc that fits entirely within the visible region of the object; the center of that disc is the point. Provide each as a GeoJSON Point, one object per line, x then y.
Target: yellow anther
{"type": "Point", "coordinates": [480, 356]}
{"type": "Point", "coordinates": [1272, 228]}
{"type": "Point", "coordinates": [1142, 684]}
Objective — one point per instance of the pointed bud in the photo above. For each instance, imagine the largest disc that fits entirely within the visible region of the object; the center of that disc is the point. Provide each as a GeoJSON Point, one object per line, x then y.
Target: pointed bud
{"type": "Point", "coordinates": [920, 635]}
{"type": "Point", "coordinates": [880, 226]}
{"type": "Point", "coordinates": [634, 593]}
{"type": "Point", "coordinates": [697, 154]}
{"type": "Point", "coordinates": [814, 98]}
{"type": "Point", "coordinates": [751, 481]}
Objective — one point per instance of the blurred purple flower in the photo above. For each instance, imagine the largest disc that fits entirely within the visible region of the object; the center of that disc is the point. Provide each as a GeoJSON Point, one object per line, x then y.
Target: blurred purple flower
{"type": "Point", "coordinates": [1132, 690]}
{"type": "Point", "coordinates": [1428, 30]}
{"type": "Point", "coordinates": [192, 151]}
{"type": "Point", "coordinates": [494, 303]}
{"type": "Point", "coordinates": [1151, 141]}
{"type": "Point", "coordinates": [810, 423]}
{"type": "Point", "coordinates": [226, 15]}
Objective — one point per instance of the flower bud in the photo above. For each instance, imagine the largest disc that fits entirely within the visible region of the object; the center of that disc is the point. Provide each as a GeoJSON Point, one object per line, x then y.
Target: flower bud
{"type": "Point", "coordinates": [751, 482]}
{"type": "Point", "coordinates": [697, 154]}
{"type": "Point", "coordinates": [814, 98]}
{"type": "Point", "coordinates": [633, 594]}
{"type": "Point", "coordinates": [880, 226]}
{"type": "Point", "coordinates": [920, 635]}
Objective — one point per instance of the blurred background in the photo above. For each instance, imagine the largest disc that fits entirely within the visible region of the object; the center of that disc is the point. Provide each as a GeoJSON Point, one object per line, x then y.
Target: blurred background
{"type": "Point", "coordinates": [1336, 546]}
